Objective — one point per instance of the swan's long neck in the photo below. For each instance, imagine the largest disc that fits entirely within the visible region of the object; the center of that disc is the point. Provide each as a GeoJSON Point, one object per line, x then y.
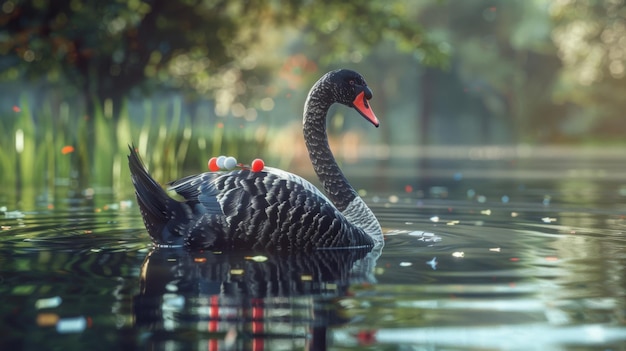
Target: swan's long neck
{"type": "Point", "coordinates": [335, 184]}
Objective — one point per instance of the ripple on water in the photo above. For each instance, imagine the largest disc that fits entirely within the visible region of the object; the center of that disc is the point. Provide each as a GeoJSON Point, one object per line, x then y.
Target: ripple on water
{"type": "Point", "coordinates": [454, 273]}
{"type": "Point", "coordinates": [515, 267]}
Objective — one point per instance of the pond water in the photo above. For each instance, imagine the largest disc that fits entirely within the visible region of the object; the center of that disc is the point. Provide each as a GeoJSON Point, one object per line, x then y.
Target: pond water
{"type": "Point", "coordinates": [480, 255]}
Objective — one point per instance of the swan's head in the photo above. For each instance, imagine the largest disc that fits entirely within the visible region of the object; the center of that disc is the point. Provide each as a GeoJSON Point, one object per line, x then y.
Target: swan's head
{"type": "Point", "coordinates": [349, 88]}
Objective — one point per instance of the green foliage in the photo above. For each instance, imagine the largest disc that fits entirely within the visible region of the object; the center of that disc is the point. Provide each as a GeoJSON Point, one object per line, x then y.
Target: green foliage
{"type": "Point", "coordinates": [52, 149]}
{"type": "Point", "coordinates": [348, 30]}
{"type": "Point", "coordinates": [589, 37]}
{"type": "Point", "coordinates": [505, 60]}
{"type": "Point", "coordinates": [188, 44]}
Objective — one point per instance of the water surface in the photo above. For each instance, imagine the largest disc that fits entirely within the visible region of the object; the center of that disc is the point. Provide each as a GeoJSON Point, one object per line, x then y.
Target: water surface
{"type": "Point", "coordinates": [494, 255]}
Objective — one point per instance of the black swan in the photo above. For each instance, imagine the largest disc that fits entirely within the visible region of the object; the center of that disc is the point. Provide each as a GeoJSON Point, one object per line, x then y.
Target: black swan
{"type": "Point", "coordinates": [268, 209]}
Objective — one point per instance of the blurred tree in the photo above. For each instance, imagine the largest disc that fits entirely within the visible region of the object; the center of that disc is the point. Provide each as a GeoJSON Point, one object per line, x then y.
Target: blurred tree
{"type": "Point", "coordinates": [107, 49]}
{"type": "Point", "coordinates": [591, 41]}
{"type": "Point", "coordinates": [104, 49]}
{"type": "Point", "coordinates": [503, 54]}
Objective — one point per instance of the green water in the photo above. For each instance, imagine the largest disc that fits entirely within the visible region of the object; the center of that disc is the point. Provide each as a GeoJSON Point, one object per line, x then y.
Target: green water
{"type": "Point", "coordinates": [489, 255]}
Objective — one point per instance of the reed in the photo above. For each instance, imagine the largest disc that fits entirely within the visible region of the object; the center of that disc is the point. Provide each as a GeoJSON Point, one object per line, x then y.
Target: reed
{"type": "Point", "coordinates": [50, 147]}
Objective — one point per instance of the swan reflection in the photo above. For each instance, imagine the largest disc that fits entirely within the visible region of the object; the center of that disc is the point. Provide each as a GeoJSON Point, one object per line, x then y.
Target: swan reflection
{"type": "Point", "coordinates": [246, 300]}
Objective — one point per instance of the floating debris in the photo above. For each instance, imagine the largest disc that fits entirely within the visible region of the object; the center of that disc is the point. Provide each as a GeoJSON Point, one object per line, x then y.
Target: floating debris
{"type": "Point", "coordinates": [486, 212]}
{"type": "Point", "coordinates": [494, 249]}
{"type": "Point", "coordinates": [434, 219]}
{"type": "Point", "coordinates": [13, 214]}
{"type": "Point", "coordinates": [258, 258]}
{"type": "Point", "coordinates": [433, 263]}
{"type": "Point", "coordinates": [47, 319]}
{"type": "Point", "coordinates": [406, 264]}
{"type": "Point", "coordinates": [471, 193]}
{"type": "Point", "coordinates": [548, 219]}
{"type": "Point", "coordinates": [504, 199]}
{"type": "Point", "coordinates": [10, 214]}
{"type": "Point", "coordinates": [438, 191]}
{"type": "Point", "coordinates": [50, 302]}
{"type": "Point", "coordinates": [425, 236]}
{"type": "Point", "coordinates": [71, 325]}
{"type": "Point", "coordinates": [126, 204]}
{"type": "Point", "coordinates": [458, 254]}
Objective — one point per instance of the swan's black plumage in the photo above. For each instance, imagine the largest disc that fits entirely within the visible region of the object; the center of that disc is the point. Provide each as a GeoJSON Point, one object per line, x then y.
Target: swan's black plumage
{"type": "Point", "coordinates": [271, 209]}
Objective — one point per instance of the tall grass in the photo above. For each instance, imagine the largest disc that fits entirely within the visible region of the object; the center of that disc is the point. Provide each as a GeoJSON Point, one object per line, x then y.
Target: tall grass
{"type": "Point", "coordinates": [49, 149]}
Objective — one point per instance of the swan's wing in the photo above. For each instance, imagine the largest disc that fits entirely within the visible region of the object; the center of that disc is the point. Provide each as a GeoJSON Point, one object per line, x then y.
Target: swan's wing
{"type": "Point", "coordinates": [259, 190]}
{"type": "Point", "coordinates": [189, 186]}
{"type": "Point", "coordinates": [271, 210]}
{"type": "Point", "coordinates": [297, 180]}
{"type": "Point", "coordinates": [239, 187]}
{"type": "Point", "coordinates": [199, 189]}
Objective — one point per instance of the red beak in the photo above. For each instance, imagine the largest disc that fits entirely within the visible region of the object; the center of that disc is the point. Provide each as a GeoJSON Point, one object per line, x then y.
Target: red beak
{"type": "Point", "coordinates": [362, 105]}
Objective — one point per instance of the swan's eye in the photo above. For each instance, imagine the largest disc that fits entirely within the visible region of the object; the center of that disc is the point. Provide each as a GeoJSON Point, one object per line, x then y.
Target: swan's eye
{"type": "Point", "coordinates": [351, 81]}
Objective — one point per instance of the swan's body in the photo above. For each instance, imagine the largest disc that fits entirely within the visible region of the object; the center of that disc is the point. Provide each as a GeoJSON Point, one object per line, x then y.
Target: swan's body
{"type": "Point", "coordinates": [271, 209]}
